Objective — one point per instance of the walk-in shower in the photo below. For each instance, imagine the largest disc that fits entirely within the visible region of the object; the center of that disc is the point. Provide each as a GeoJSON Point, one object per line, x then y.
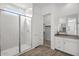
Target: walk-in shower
{"type": "Point", "coordinates": [15, 33]}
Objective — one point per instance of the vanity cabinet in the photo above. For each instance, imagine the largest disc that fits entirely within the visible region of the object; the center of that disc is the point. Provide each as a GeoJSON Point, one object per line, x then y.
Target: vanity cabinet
{"type": "Point", "coordinates": [70, 46]}
{"type": "Point", "coordinates": [67, 45]}
{"type": "Point", "coordinates": [59, 43]}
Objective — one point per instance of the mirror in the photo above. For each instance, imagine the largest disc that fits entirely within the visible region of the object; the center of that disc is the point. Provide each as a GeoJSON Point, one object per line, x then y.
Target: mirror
{"type": "Point", "coordinates": [62, 25]}
{"type": "Point", "coordinates": [68, 25]}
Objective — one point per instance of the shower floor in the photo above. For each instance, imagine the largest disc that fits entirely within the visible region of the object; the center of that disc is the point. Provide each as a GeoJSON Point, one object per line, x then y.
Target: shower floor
{"type": "Point", "coordinates": [14, 50]}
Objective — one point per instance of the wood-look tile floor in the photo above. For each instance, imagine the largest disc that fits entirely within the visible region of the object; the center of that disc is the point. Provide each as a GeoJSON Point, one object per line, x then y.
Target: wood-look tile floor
{"type": "Point", "coordinates": [47, 43]}
{"type": "Point", "coordinates": [44, 51]}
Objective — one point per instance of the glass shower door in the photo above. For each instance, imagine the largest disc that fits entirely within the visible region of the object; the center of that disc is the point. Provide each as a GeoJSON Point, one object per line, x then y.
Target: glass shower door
{"type": "Point", "coordinates": [25, 33]}
{"type": "Point", "coordinates": [9, 26]}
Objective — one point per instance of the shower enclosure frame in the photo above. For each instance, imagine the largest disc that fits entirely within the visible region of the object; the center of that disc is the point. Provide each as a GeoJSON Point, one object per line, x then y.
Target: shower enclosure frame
{"type": "Point", "coordinates": [19, 29]}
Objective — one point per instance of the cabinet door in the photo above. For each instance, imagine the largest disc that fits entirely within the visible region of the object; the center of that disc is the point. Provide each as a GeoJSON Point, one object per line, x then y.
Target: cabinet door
{"type": "Point", "coordinates": [70, 46]}
{"type": "Point", "coordinates": [59, 43]}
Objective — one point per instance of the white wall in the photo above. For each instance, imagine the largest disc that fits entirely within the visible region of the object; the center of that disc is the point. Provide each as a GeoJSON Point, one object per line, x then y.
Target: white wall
{"type": "Point", "coordinates": [37, 27]}
{"type": "Point", "coordinates": [37, 22]}
{"type": "Point", "coordinates": [53, 10]}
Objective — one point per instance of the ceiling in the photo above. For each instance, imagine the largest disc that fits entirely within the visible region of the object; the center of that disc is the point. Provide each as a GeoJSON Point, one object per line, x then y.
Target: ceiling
{"type": "Point", "coordinates": [26, 6]}
{"type": "Point", "coordinates": [23, 5]}
{"type": "Point", "coordinates": [47, 4]}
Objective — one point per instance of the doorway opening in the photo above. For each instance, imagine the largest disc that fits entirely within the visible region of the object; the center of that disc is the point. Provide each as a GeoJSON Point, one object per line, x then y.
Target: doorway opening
{"type": "Point", "coordinates": [47, 29]}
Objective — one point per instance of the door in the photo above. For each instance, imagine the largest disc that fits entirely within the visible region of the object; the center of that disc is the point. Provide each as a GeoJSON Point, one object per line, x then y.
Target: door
{"type": "Point", "coordinates": [25, 33]}
{"type": "Point", "coordinates": [9, 29]}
